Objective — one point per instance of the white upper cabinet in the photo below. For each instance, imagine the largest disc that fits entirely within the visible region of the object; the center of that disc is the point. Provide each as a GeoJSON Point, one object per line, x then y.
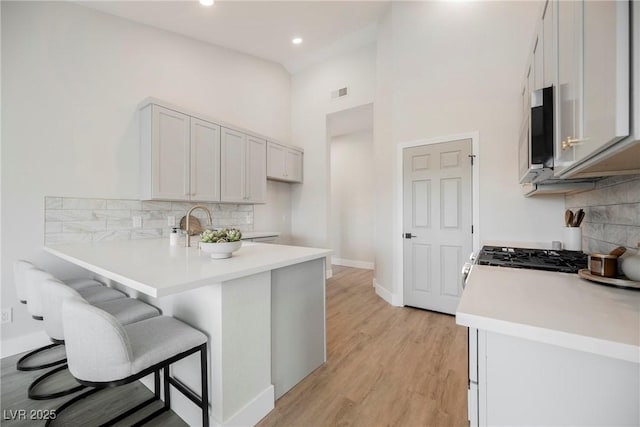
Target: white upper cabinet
{"type": "Point", "coordinates": [284, 163]}
{"type": "Point", "coordinates": [164, 154]}
{"type": "Point", "coordinates": [232, 166]}
{"type": "Point", "coordinates": [256, 170]}
{"type": "Point", "coordinates": [180, 156]}
{"type": "Point", "coordinates": [605, 75]}
{"type": "Point", "coordinates": [243, 168]}
{"type": "Point", "coordinates": [548, 47]}
{"type": "Point", "coordinates": [538, 62]}
{"type": "Point", "coordinates": [293, 165]}
{"type": "Point", "coordinates": [185, 156]}
{"type": "Point", "coordinates": [205, 161]}
{"type": "Point", "coordinates": [593, 80]}
{"type": "Point", "coordinates": [568, 111]}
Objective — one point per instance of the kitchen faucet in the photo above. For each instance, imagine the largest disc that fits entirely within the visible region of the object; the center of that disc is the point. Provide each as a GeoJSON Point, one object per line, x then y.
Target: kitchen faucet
{"type": "Point", "coordinates": [187, 240]}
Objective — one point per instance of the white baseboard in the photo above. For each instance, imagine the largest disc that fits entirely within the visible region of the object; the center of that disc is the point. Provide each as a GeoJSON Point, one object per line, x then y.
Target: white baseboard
{"type": "Point", "coordinates": [254, 411]}
{"type": "Point", "coordinates": [24, 343]}
{"type": "Point", "coordinates": [352, 263]}
{"type": "Point", "coordinates": [386, 295]}
{"type": "Point", "coordinates": [329, 273]}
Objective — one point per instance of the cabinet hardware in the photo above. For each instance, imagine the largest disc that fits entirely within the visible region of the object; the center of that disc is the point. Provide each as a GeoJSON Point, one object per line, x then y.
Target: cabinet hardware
{"type": "Point", "coordinates": [571, 142]}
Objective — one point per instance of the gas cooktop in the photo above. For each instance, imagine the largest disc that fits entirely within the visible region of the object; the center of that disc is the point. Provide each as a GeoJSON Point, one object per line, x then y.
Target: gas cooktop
{"type": "Point", "coordinates": [536, 259]}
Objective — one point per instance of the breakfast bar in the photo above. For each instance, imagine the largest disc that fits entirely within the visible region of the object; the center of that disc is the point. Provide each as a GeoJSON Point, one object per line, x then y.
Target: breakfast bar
{"type": "Point", "coordinates": [263, 310]}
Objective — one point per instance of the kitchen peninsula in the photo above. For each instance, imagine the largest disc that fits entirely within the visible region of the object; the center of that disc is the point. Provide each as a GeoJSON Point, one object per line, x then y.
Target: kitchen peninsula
{"type": "Point", "coordinates": [263, 310]}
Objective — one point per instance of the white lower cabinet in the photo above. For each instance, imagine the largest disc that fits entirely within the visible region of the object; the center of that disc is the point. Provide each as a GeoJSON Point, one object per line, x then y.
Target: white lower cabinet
{"type": "Point", "coordinates": [243, 168]}
{"type": "Point", "coordinates": [284, 163]}
{"type": "Point", "coordinates": [523, 382]}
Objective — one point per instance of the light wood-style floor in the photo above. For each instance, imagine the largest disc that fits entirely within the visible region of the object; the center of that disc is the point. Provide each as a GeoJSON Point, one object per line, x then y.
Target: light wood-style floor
{"type": "Point", "coordinates": [386, 366]}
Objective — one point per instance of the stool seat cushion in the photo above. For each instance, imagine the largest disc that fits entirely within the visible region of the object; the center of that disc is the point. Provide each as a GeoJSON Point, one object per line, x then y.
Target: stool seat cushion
{"type": "Point", "coordinates": [96, 294]}
{"type": "Point", "coordinates": [128, 310]}
{"type": "Point", "coordinates": [158, 339]}
{"type": "Point", "coordinates": [100, 349]}
{"type": "Point", "coordinates": [81, 283]}
{"type": "Point", "coordinates": [125, 310]}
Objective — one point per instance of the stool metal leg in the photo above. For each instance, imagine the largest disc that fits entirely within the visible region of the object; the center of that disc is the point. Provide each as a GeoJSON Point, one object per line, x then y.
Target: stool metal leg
{"type": "Point", "coordinates": [205, 385]}
{"type": "Point", "coordinates": [202, 402]}
{"type": "Point", "coordinates": [167, 388]}
{"type": "Point", "coordinates": [20, 366]}
{"type": "Point", "coordinates": [34, 396]}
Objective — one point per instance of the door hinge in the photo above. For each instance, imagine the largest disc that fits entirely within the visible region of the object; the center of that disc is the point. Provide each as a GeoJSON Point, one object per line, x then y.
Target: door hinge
{"type": "Point", "coordinates": [472, 156]}
{"type": "Point", "coordinates": [471, 228]}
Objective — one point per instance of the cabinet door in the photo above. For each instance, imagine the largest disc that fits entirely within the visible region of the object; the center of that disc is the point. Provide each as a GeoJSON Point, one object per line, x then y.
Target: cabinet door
{"type": "Point", "coordinates": [169, 154]}
{"type": "Point", "coordinates": [256, 170]}
{"type": "Point", "coordinates": [569, 93]}
{"type": "Point", "coordinates": [205, 161]}
{"type": "Point", "coordinates": [275, 161]}
{"type": "Point", "coordinates": [538, 63]}
{"type": "Point", "coordinates": [549, 49]}
{"type": "Point", "coordinates": [232, 166]}
{"type": "Point", "coordinates": [605, 75]}
{"type": "Point", "coordinates": [293, 169]}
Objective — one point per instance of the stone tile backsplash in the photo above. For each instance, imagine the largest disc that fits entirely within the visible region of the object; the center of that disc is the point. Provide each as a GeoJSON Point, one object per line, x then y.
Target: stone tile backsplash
{"type": "Point", "coordinates": [612, 214]}
{"type": "Point", "coordinates": [84, 220]}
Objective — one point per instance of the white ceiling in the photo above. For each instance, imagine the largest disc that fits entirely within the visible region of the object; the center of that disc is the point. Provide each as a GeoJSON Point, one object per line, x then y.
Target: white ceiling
{"type": "Point", "coordinates": [261, 28]}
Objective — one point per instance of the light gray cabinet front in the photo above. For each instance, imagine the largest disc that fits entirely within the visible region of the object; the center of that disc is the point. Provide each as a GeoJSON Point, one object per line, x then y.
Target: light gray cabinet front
{"type": "Point", "coordinates": [594, 80]}
{"type": "Point", "coordinates": [297, 323]}
{"type": "Point", "coordinates": [256, 170]}
{"type": "Point", "coordinates": [284, 163]}
{"type": "Point", "coordinates": [243, 168]}
{"type": "Point", "coordinates": [205, 161]}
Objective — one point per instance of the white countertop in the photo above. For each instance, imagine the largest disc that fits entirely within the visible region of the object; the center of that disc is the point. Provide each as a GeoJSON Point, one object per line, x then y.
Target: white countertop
{"type": "Point", "coordinates": [258, 234]}
{"type": "Point", "coordinates": [154, 268]}
{"type": "Point", "coordinates": [554, 308]}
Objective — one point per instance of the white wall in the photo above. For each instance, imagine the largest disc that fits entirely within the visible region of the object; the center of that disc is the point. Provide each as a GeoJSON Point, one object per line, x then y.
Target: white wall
{"type": "Point", "coordinates": [352, 197]}
{"type": "Point", "coordinates": [310, 104]}
{"type": "Point", "coordinates": [72, 79]}
{"type": "Point", "coordinates": [275, 215]}
{"type": "Point", "coordinates": [454, 67]}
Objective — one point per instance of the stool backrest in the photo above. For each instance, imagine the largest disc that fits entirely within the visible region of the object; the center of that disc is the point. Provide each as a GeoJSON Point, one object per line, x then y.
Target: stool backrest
{"type": "Point", "coordinates": [19, 268]}
{"type": "Point", "coordinates": [98, 348]}
{"type": "Point", "coordinates": [33, 279]}
{"type": "Point", "coordinates": [54, 293]}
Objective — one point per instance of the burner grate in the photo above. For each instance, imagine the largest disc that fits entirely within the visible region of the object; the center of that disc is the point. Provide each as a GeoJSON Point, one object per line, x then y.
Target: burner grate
{"type": "Point", "coordinates": [537, 259]}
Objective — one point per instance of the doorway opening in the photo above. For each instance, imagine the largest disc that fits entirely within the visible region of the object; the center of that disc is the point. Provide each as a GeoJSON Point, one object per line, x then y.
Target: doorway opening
{"type": "Point", "coordinates": [351, 188]}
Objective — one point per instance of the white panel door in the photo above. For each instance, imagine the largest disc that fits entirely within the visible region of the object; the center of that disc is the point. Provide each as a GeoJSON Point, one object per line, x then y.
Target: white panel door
{"type": "Point", "coordinates": [437, 216]}
{"type": "Point", "coordinates": [170, 154]}
{"type": "Point", "coordinates": [205, 161]}
{"type": "Point", "coordinates": [256, 170]}
{"type": "Point", "coordinates": [232, 166]}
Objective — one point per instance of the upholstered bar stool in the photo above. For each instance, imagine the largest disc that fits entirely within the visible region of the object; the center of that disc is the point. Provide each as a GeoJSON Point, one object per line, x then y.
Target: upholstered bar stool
{"type": "Point", "coordinates": [125, 310]}
{"type": "Point", "coordinates": [25, 274]}
{"type": "Point", "coordinates": [104, 353]}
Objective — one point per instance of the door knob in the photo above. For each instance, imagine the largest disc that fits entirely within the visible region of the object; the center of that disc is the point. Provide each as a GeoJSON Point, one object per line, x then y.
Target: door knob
{"type": "Point", "coordinates": [409, 235]}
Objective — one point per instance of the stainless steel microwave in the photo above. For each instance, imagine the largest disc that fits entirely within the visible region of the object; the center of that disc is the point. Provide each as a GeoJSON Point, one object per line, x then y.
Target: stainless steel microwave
{"type": "Point", "coordinates": [536, 139]}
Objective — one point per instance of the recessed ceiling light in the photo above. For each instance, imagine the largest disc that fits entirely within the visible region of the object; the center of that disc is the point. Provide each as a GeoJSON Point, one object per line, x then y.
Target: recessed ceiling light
{"type": "Point", "coordinates": [296, 40]}
{"type": "Point", "coordinates": [206, 2]}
